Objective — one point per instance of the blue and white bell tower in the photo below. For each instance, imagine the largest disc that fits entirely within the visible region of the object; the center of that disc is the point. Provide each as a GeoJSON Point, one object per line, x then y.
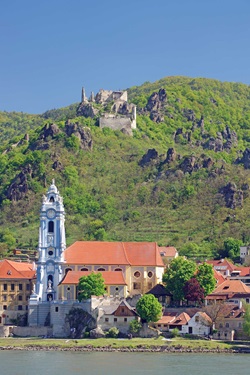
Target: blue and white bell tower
{"type": "Point", "coordinates": [51, 245]}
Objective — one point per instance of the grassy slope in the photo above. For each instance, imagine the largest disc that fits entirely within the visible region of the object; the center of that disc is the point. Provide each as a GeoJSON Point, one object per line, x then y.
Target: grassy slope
{"type": "Point", "coordinates": [108, 196]}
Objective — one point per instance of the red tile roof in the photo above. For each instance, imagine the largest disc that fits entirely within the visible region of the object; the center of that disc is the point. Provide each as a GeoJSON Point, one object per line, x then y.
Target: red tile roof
{"type": "Point", "coordinates": [231, 286]}
{"type": "Point", "coordinates": [110, 277]}
{"type": "Point", "coordinates": [219, 277]}
{"type": "Point", "coordinates": [117, 253]}
{"type": "Point", "coordinates": [168, 251]}
{"type": "Point", "coordinates": [16, 270]}
{"type": "Point", "coordinates": [221, 264]}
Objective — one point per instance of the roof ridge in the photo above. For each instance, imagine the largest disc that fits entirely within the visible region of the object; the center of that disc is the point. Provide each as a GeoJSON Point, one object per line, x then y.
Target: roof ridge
{"type": "Point", "coordinates": [125, 253]}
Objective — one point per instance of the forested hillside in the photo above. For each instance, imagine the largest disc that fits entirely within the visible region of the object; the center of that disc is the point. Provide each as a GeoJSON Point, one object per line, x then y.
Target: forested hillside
{"type": "Point", "coordinates": [182, 179]}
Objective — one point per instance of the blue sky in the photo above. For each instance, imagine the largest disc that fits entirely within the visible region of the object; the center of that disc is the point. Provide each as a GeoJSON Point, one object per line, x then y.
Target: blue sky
{"type": "Point", "coordinates": [51, 48]}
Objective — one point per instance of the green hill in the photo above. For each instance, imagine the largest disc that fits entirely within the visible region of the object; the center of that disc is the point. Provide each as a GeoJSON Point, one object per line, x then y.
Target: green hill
{"type": "Point", "coordinates": [182, 179]}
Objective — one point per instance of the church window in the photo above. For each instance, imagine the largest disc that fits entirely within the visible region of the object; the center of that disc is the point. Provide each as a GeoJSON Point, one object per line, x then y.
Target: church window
{"type": "Point", "coordinates": [116, 288]}
{"type": "Point", "coordinates": [51, 227]}
{"type": "Point", "coordinates": [136, 285]}
{"type": "Point", "coordinates": [50, 253]}
{"type": "Point", "coordinates": [68, 288]}
{"type": "Point", "coordinates": [150, 274]}
{"type": "Point", "coordinates": [137, 274]}
{"type": "Point", "coordinates": [118, 269]}
{"type": "Point", "coordinates": [84, 269]}
{"type": "Point", "coordinates": [101, 269]}
{"type": "Point", "coordinates": [52, 199]}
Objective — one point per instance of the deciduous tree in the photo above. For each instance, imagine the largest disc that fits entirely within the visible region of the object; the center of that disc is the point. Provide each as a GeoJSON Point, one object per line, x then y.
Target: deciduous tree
{"type": "Point", "coordinates": [205, 277]}
{"type": "Point", "coordinates": [91, 285]}
{"type": "Point", "coordinates": [179, 272]}
{"type": "Point", "coordinates": [193, 291]}
{"type": "Point", "coordinates": [149, 308]}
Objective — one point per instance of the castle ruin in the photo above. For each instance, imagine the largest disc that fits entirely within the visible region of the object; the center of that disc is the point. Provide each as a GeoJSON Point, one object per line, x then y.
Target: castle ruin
{"type": "Point", "coordinates": [118, 113]}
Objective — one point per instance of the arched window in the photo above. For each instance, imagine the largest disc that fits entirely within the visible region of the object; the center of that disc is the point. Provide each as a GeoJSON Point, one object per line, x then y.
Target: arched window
{"type": "Point", "coordinates": [52, 199]}
{"type": "Point", "coordinates": [84, 269]}
{"type": "Point", "coordinates": [101, 269]}
{"type": "Point", "coordinates": [118, 269]}
{"type": "Point", "coordinates": [51, 227]}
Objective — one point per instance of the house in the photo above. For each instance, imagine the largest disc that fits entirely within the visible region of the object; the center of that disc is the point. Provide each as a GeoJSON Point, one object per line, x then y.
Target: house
{"type": "Point", "coordinates": [242, 274]}
{"type": "Point", "coordinates": [230, 291]}
{"type": "Point", "coordinates": [168, 253]}
{"type": "Point", "coordinates": [16, 284]}
{"type": "Point", "coordinates": [117, 315]}
{"type": "Point", "coordinates": [199, 324]}
{"type": "Point", "coordinates": [229, 322]}
{"type": "Point", "coordinates": [245, 255]}
{"type": "Point", "coordinates": [224, 266]}
{"type": "Point", "coordinates": [160, 292]}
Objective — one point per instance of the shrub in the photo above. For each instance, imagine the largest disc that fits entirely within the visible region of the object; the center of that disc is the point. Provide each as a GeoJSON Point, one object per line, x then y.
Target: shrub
{"type": "Point", "coordinates": [113, 332]}
{"type": "Point", "coordinates": [175, 332]}
{"type": "Point", "coordinates": [134, 326]}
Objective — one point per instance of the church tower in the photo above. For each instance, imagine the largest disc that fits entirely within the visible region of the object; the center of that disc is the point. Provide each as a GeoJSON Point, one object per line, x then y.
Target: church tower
{"type": "Point", "coordinates": [51, 245]}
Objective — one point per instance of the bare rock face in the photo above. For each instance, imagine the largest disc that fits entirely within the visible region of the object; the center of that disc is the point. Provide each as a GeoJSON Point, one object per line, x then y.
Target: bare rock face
{"type": "Point", "coordinates": [86, 110]}
{"type": "Point", "coordinates": [233, 196]}
{"type": "Point", "coordinates": [49, 130]}
{"type": "Point", "coordinates": [82, 133]}
{"type": "Point", "coordinates": [96, 333]}
{"type": "Point", "coordinates": [188, 165]}
{"type": "Point", "coordinates": [19, 187]}
{"type": "Point", "coordinates": [171, 155]}
{"type": "Point", "coordinates": [149, 157]}
{"type": "Point", "coordinates": [245, 160]}
{"type": "Point", "coordinates": [156, 100]}
{"type": "Point", "coordinates": [156, 116]}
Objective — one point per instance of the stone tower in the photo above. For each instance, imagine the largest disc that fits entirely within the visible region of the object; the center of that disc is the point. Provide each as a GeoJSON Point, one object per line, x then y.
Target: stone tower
{"type": "Point", "coordinates": [51, 245]}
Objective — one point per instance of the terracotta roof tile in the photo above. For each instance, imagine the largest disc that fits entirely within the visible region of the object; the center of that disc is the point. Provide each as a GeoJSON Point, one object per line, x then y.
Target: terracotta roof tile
{"type": "Point", "coordinates": [110, 277]}
{"type": "Point", "coordinates": [16, 270]}
{"type": "Point", "coordinates": [168, 251]}
{"type": "Point", "coordinates": [118, 253]}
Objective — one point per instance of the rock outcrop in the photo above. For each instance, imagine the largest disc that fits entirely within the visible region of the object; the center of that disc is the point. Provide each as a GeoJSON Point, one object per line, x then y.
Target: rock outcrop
{"type": "Point", "coordinates": [82, 133]}
{"type": "Point", "coordinates": [19, 187]}
{"type": "Point", "coordinates": [155, 104]}
{"type": "Point", "coordinates": [245, 160]}
{"type": "Point", "coordinates": [149, 157]}
{"type": "Point", "coordinates": [86, 110]}
{"type": "Point", "coordinates": [233, 196]}
{"type": "Point", "coordinates": [49, 130]}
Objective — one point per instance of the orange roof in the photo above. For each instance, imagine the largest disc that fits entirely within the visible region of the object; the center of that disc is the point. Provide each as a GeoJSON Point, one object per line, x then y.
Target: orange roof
{"type": "Point", "coordinates": [118, 253]}
{"type": "Point", "coordinates": [231, 286]}
{"type": "Point", "coordinates": [221, 264]}
{"type": "Point", "coordinates": [165, 319]}
{"type": "Point", "coordinates": [110, 277]}
{"type": "Point", "coordinates": [219, 277]}
{"type": "Point", "coordinates": [181, 319]}
{"type": "Point", "coordinates": [168, 251]}
{"type": "Point", "coordinates": [16, 270]}
{"type": "Point", "coordinates": [243, 271]}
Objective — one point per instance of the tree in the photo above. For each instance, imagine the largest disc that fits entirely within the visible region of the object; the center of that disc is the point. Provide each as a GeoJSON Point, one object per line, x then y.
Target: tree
{"type": "Point", "coordinates": [246, 323]}
{"type": "Point", "coordinates": [231, 248]}
{"type": "Point", "coordinates": [179, 272]}
{"type": "Point", "coordinates": [205, 277]}
{"type": "Point", "coordinates": [149, 308]}
{"type": "Point", "coordinates": [91, 285]}
{"type": "Point", "coordinates": [193, 291]}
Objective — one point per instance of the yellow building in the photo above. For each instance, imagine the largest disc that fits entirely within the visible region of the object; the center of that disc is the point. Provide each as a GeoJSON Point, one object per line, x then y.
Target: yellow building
{"type": "Point", "coordinates": [140, 263]}
{"type": "Point", "coordinates": [15, 288]}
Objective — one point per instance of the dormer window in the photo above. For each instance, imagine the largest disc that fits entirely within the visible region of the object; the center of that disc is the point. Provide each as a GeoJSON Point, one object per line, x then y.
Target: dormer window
{"type": "Point", "coordinates": [52, 199]}
{"type": "Point", "coordinates": [51, 227]}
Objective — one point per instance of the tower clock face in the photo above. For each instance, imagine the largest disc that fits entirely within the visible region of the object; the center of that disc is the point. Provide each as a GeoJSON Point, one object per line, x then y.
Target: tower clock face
{"type": "Point", "coordinates": [51, 214]}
